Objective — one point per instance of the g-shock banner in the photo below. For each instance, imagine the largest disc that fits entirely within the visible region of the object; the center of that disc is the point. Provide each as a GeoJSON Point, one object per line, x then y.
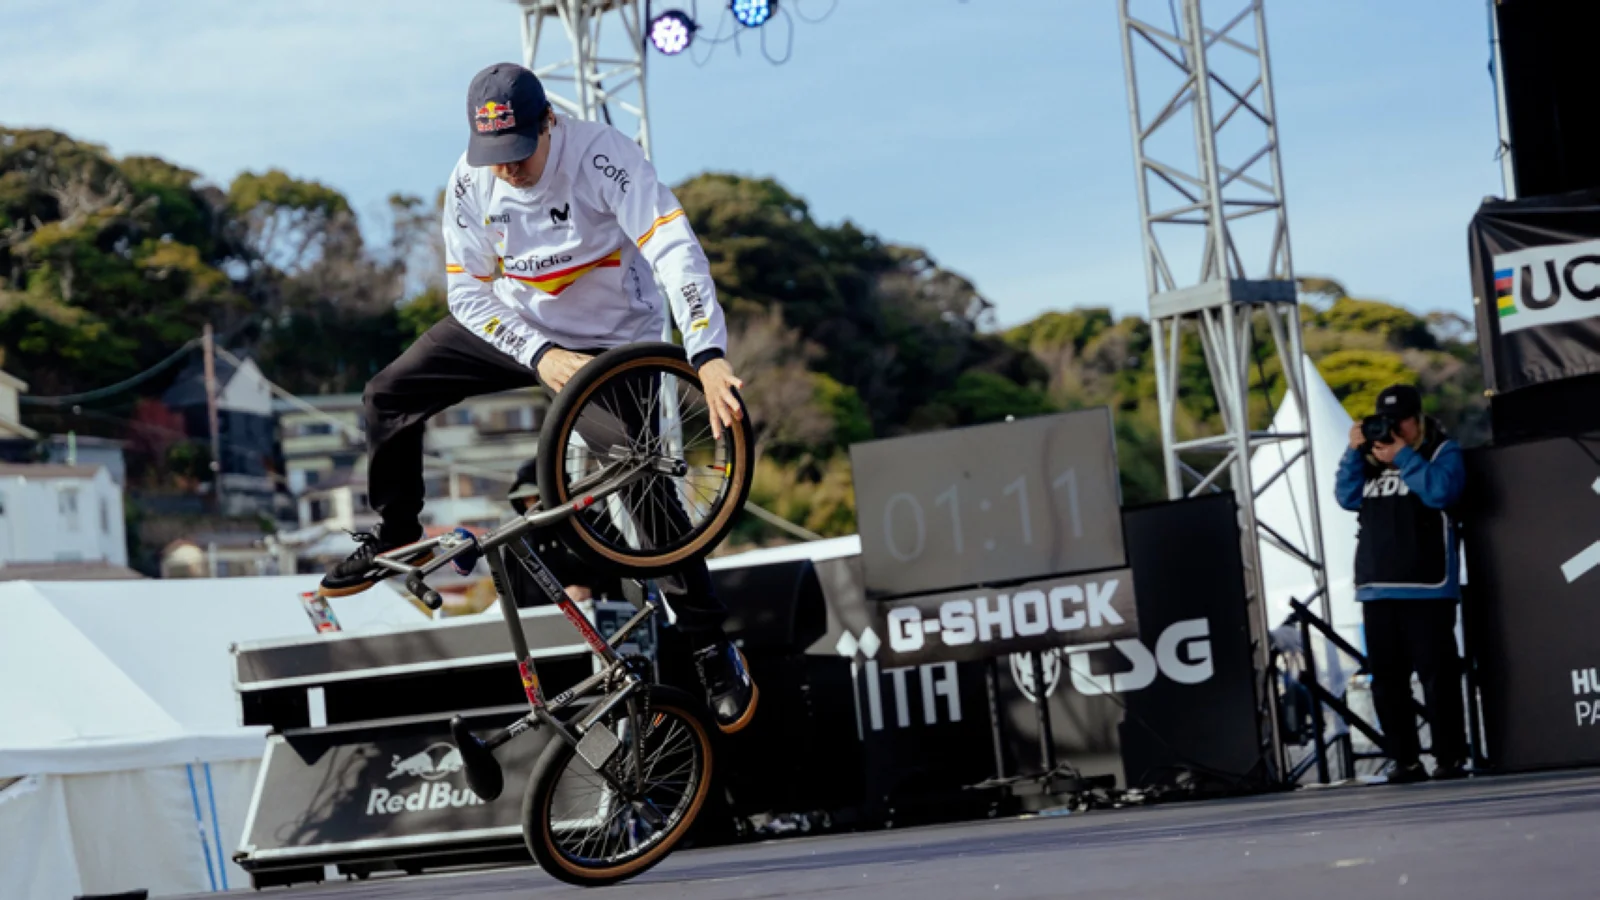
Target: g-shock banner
{"type": "Point", "coordinates": [1536, 288]}
{"type": "Point", "coordinates": [982, 623]}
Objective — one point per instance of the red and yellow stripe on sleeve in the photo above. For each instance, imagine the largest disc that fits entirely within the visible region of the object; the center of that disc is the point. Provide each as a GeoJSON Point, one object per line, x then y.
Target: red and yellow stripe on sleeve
{"type": "Point", "coordinates": [677, 213]}
{"type": "Point", "coordinates": [453, 269]}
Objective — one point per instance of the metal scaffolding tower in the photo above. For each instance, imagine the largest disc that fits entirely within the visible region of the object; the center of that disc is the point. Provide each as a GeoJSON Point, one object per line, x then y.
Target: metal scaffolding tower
{"type": "Point", "coordinates": [1230, 219]}
{"type": "Point", "coordinates": [601, 78]}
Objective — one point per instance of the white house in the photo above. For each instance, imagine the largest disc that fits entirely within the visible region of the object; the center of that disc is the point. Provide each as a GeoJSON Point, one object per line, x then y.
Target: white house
{"type": "Point", "coordinates": [247, 444]}
{"type": "Point", "coordinates": [55, 513]}
{"type": "Point", "coordinates": [472, 450]}
{"type": "Point", "coordinates": [10, 421]}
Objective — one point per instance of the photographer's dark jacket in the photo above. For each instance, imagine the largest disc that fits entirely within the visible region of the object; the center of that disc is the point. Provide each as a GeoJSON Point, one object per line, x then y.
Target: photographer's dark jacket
{"type": "Point", "coordinates": [1407, 545]}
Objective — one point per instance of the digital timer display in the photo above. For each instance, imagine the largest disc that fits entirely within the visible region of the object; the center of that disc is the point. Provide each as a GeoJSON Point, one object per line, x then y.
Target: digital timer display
{"type": "Point", "coordinates": [989, 503]}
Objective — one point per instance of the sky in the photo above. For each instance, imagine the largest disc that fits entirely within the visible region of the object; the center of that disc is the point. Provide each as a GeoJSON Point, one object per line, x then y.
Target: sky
{"type": "Point", "coordinates": [994, 134]}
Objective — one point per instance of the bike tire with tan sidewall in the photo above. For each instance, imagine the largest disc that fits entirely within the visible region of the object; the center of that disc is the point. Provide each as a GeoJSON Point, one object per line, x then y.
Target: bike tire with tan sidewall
{"type": "Point", "coordinates": [556, 435]}
{"type": "Point", "coordinates": [539, 797]}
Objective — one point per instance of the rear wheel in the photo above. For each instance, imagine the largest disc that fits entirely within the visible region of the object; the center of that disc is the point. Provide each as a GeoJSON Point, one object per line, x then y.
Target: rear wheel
{"type": "Point", "coordinates": [582, 831]}
{"type": "Point", "coordinates": [643, 405]}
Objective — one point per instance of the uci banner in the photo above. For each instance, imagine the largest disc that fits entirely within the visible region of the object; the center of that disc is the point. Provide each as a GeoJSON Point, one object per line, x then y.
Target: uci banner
{"type": "Point", "coordinates": [1536, 288]}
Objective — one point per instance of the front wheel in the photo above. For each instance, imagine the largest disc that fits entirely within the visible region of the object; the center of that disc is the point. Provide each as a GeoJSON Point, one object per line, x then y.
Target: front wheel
{"type": "Point", "coordinates": [641, 407]}
{"type": "Point", "coordinates": [580, 830]}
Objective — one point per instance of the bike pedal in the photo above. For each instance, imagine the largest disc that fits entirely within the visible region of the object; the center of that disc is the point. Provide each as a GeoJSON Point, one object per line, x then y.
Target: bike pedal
{"type": "Point", "coordinates": [598, 745]}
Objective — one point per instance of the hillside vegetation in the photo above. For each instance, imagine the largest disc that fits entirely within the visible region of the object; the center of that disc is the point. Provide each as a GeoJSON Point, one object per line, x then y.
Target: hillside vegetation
{"type": "Point", "coordinates": [109, 265]}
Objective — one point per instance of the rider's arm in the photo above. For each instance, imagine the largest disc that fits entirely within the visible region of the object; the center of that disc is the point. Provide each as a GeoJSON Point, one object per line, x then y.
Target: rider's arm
{"type": "Point", "coordinates": [654, 220]}
{"type": "Point", "coordinates": [471, 266]}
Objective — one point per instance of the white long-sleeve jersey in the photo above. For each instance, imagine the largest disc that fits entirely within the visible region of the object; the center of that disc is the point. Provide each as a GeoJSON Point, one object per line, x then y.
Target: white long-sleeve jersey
{"type": "Point", "coordinates": [567, 263]}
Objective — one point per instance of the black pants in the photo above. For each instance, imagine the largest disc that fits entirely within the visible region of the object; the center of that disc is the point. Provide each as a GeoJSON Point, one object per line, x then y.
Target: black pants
{"type": "Point", "coordinates": [1405, 636]}
{"type": "Point", "coordinates": [446, 365]}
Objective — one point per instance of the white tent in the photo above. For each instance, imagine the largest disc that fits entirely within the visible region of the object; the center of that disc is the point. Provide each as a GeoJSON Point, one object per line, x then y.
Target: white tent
{"type": "Point", "coordinates": [122, 761]}
{"type": "Point", "coordinates": [1285, 506]}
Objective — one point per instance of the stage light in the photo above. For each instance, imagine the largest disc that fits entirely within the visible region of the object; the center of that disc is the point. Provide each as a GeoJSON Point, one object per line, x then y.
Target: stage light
{"type": "Point", "coordinates": [753, 13]}
{"type": "Point", "coordinates": [671, 32]}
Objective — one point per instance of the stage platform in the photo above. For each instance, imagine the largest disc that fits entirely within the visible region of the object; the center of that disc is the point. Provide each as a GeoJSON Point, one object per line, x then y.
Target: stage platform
{"type": "Point", "coordinates": [1526, 837]}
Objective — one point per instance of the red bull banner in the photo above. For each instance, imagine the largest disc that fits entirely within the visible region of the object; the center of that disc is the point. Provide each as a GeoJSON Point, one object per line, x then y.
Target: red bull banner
{"type": "Point", "coordinates": [364, 790]}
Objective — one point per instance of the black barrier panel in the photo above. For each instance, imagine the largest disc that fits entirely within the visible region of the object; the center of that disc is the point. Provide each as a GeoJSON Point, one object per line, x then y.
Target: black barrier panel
{"type": "Point", "coordinates": [1083, 723]}
{"type": "Point", "coordinates": [1198, 713]}
{"type": "Point", "coordinates": [801, 752]}
{"type": "Point", "coordinates": [775, 606]}
{"type": "Point", "coordinates": [1180, 697]}
{"type": "Point", "coordinates": [441, 646]}
{"type": "Point", "coordinates": [369, 790]}
{"type": "Point", "coordinates": [924, 730]}
{"type": "Point", "coordinates": [1532, 537]}
{"type": "Point", "coordinates": [926, 736]}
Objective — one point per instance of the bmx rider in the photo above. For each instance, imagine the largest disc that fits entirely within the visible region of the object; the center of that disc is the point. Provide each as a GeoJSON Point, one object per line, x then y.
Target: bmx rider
{"type": "Point", "coordinates": [552, 227]}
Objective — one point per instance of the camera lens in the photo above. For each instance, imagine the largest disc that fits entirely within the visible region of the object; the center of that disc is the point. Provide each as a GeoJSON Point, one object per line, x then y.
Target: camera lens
{"type": "Point", "coordinates": [1375, 428]}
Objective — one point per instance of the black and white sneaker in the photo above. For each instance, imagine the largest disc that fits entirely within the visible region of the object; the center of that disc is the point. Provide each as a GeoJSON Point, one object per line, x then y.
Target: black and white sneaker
{"type": "Point", "coordinates": [358, 573]}
{"type": "Point", "coordinates": [730, 691]}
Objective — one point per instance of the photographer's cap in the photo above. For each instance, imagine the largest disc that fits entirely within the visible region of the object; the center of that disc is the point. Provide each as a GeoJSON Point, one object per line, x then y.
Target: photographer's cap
{"type": "Point", "coordinates": [505, 109]}
{"type": "Point", "coordinates": [1399, 401]}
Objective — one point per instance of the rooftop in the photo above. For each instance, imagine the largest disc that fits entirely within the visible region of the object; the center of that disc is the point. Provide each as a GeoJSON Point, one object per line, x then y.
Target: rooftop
{"type": "Point", "coordinates": [66, 571]}
{"type": "Point", "coordinates": [46, 470]}
{"type": "Point", "coordinates": [324, 402]}
{"type": "Point", "coordinates": [224, 540]}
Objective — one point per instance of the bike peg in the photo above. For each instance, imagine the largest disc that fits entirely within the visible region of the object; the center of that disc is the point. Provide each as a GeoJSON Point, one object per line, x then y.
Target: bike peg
{"type": "Point", "coordinates": [429, 597]}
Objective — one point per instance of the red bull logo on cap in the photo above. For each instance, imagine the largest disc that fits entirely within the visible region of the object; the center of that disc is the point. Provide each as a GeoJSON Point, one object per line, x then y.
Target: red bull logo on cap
{"type": "Point", "coordinates": [494, 116]}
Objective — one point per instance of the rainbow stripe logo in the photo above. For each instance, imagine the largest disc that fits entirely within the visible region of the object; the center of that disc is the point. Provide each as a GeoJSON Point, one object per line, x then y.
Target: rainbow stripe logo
{"type": "Point", "coordinates": [1505, 301]}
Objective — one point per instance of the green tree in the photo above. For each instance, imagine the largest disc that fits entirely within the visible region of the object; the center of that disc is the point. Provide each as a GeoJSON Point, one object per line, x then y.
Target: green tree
{"type": "Point", "coordinates": [1358, 376]}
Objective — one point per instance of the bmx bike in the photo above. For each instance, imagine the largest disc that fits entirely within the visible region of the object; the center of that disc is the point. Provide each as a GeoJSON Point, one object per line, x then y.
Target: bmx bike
{"type": "Point", "coordinates": [631, 479]}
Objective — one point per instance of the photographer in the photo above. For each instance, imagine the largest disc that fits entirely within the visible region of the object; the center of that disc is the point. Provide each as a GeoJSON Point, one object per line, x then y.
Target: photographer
{"type": "Point", "coordinates": [1401, 476]}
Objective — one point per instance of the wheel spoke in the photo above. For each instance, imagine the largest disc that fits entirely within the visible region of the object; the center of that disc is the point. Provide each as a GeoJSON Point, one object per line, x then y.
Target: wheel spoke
{"type": "Point", "coordinates": [617, 829]}
{"type": "Point", "coordinates": [630, 416]}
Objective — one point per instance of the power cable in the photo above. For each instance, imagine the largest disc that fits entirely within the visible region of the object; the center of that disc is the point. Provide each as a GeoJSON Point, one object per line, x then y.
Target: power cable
{"type": "Point", "coordinates": [110, 390]}
{"type": "Point", "coordinates": [799, 5]}
{"type": "Point", "coordinates": [788, 50]}
{"type": "Point", "coordinates": [357, 434]}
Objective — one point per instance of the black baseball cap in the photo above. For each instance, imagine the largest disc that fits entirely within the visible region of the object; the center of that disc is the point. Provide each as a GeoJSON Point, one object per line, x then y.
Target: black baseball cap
{"type": "Point", "coordinates": [1400, 401]}
{"type": "Point", "coordinates": [505, 110]}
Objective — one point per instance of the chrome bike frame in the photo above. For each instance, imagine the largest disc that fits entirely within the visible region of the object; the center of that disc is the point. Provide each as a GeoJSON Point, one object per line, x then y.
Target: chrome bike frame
{"type": "Point", "coordinates": [592, 740]}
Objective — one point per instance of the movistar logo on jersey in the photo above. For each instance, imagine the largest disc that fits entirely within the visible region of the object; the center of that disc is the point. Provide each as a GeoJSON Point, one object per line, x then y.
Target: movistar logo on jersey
{"type": "Point", "coordinates": [537, 263]}
{"type": "Point", "coordinates": [1547, 285]}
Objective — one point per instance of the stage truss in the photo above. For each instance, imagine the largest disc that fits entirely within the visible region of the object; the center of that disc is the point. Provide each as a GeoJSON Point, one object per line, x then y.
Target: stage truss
{"type": "Point", "coordinates": [592, 61]}
{"type": "Point", "coordinates": [1199, 94]}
